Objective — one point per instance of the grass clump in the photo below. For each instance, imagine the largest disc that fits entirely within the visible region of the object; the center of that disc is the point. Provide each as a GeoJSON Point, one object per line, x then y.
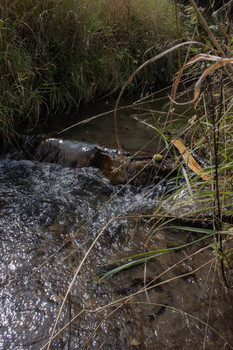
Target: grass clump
{"type": "Point", "coordinates": [55, 54]}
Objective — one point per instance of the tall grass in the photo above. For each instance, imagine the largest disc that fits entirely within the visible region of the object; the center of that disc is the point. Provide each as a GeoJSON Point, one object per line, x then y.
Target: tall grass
{"type": "Point", "coordinates": [208, 135]}
{"type": "Point", "coordinates": [55, 54]}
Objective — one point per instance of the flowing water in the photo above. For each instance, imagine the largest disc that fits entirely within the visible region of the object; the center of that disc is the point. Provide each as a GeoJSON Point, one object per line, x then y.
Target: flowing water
{"type": "Point", "coordinates": [49, 217]}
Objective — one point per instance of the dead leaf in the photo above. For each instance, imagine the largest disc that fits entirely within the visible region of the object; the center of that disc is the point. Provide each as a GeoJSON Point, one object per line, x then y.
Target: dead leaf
{"type": "Point", "coordinates": [189, 160]}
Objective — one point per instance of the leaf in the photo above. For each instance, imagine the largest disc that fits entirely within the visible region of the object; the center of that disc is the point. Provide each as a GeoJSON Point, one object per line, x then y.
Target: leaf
{"type": "Point", "coordinates": [189, 160]}
{"type": "Point", "coordinates": [147, 255]}
{"type": "Point", "coordinates": [196, 229]}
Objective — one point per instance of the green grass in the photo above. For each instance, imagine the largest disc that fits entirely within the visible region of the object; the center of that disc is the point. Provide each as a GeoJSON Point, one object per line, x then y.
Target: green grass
{"type": "Point", "coordinates": [55, 54]}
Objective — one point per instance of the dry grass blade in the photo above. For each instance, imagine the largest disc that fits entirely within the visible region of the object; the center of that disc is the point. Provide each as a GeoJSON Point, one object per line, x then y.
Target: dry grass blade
{"type": "Point", "coordinates": [189, 160]}
{"type": "Point", "coordinates": [208, 31]}
{"type": "Point", "coordinates": [74, 278]}
{"type": "Point", "coordinates": [151, 60]}
{"type": "Point", "coordinates": [220, 62]}
{"type": "Point", "coordinates": [192, 317]}
{"type": "Point", "coordinates": [122, 301]}
{"type": "Point", "coordinates": [193, 60]}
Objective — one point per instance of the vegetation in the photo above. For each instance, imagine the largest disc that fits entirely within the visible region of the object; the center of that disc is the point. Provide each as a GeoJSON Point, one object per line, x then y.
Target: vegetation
{"type": "Point", "coordinates": [203, 197]}
{"type": "Point", "coordinates": [55, 54]}
{"type": "Point", "coordinates": [102, 54]}
{"type": "Point", "coordinates": [207, 134]}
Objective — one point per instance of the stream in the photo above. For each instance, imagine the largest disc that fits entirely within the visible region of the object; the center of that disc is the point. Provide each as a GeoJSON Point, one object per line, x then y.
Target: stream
{"type": "Point", "coordinates": [50, 214]}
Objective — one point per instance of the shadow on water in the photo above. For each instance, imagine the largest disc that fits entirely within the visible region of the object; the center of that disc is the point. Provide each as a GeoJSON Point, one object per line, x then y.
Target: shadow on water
{"type": "Point", "coordinates": [45, 231]}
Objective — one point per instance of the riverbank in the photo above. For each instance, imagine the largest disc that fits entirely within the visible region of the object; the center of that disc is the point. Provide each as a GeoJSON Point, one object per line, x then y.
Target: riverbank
{"type": "Point", "coordinates": [56, 55]}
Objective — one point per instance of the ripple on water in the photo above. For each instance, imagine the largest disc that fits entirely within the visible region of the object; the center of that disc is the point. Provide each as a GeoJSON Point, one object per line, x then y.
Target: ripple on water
{"type": "Point", "coordinates": [41, 206]}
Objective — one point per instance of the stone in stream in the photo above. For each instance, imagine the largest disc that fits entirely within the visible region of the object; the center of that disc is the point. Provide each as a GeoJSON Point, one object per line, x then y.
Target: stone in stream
{"type": "Point", "coordinates": [120, 170]}
{"type": "Point", "coordinates": [143, 170]}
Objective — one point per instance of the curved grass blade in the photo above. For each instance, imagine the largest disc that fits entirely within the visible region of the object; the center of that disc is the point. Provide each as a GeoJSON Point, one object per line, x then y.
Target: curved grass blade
{"type": "Point", "coordinates": [150, 255]}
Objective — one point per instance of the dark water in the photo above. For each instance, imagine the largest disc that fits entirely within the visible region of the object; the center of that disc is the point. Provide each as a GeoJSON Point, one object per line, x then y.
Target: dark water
{"type": "Point", "coordinates": [49, 217]}
{"type": "Point", "coordinates": [133, 133]}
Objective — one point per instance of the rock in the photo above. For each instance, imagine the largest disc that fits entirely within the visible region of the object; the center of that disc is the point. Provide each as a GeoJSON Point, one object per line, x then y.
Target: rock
{"type": "Point", "coordinates": [66, 153]}
{"type": "Point", "coordinates": [118, 169]}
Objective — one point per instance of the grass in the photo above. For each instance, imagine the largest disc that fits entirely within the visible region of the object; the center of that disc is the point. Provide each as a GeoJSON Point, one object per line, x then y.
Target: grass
{"type": "Point", "coordinates": [56, 54]}
{"type": "Point", "coordinates": [208, 200]}
{"type": "Point", "coordinates": [196, 199]}
{"type": "Point", "coordinates": [208, 133]}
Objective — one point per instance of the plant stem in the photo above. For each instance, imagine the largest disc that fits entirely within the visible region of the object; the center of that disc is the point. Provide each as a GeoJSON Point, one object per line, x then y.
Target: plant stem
{"type": "Point", "coordinates": [209, 32]}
